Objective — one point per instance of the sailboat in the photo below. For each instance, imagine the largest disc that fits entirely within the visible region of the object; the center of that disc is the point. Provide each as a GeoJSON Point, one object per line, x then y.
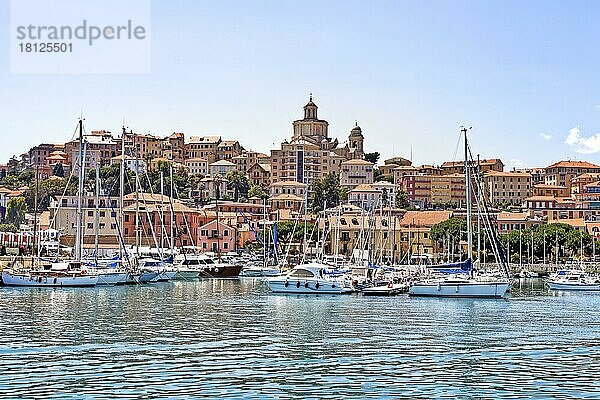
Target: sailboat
{"type": "Point", "coordinates": [57, 273]}
{"type": "Point", "coordinates": [459, 279]}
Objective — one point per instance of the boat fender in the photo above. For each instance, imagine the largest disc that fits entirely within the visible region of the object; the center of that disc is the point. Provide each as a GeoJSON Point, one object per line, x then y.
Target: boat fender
{"type": "Point", "coordinates": [317, 285]}
{"type": "Point", "coordinates": [333, 286]}
{"type": "Point", "coordinates": [439, 287]}
{"type": "Point", "coordinates": [216, 270]}
{"type": "Point", "coordinates": [286, 284]}
{"type": "Point", "coordinates": [389, 285]}
{"type": "Point", "coordinates": [298, 284]}
{"type": "Point", "coordinates": [457, 289]}
{"type": "Point", "coordinates": [55, 279]}
{"type": "Point", "coordinates": [306, 284]}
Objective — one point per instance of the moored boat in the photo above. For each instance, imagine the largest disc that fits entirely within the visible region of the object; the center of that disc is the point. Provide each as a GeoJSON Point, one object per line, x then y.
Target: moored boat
{"type": "Point", "coordinates": [574, 280]}
{"type": "Point", "coordinates": [61, 274]}
{"type": "Point", "coordinates": [206, 266]}
{"type": "Point", "coordinates": [457, 286]}
{"type": "Point", "coordinates": [312, 278]}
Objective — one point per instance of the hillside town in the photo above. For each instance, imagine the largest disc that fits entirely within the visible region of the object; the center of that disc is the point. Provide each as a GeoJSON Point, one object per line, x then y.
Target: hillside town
{"type": "Point", "coordinates": [220, 195]}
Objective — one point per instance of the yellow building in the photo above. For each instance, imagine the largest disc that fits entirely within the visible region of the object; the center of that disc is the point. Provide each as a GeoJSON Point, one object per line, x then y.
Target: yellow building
{"type": "Point", "coordinates": [507, 187]}
{"type": "Point", "coordinates": [447, 189]}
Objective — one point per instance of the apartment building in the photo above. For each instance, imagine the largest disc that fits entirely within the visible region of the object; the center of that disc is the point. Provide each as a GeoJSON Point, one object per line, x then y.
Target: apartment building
{"type": "Point", "coordinates": [356, 172]}
{"type": "Point", "coordinates": [506, 187]}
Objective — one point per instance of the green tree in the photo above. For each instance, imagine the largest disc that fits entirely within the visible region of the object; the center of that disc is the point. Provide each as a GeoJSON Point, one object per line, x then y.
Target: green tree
{"type": "Point", "coordinates": [58, 170]}
{"type": "Point", "coordinates": [8, 228]}
{"type": "Point", "coordinates": [327, 191]}
{"type": "Point", "coordinates": [402, 199]}
{"type": "Point", "coordinates": [453, 230]}
{"type": "Point", "coordinates": [258, 191]}
{"type": "Point", "coordinates": [372, 157]}
{"type": "Point", "coordinates": [286, 231]}
{"type": "Point", "coordinates": [27, 177]}
{"type": "Point", "coordinates": [385, 178]}
{"type": "Point", "coordinates": [15, 211]}
{"type": "Point", "coordinates": [238, 182]}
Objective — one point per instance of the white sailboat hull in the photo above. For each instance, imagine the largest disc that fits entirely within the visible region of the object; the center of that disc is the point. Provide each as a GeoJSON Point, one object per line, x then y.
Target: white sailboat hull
{"type": "Point", "coordinates": [112, 278]}
{"type": "Point", "coordinates": [463, 289]}
{"type": "Point", "coordinates": [40, 280]}
{"type": "Point", "coordinates": [166, 276]}
{"type": "Point", "coordinates": [310, 286]}
{"type": "Point", "coordinates": [590, 287]}
{"type": "Point", "coordinates": [148, 276]}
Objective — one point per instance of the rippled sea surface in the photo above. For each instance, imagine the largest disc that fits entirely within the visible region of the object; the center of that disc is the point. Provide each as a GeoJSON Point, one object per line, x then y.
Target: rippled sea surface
{"type": "Point", "coordinates": [232, 339]}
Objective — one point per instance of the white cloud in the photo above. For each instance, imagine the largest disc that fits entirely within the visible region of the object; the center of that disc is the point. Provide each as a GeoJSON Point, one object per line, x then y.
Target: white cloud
{"type": "Point", "coordinates": [545, 136]}
{"type": "Point", "coordinates": [583, 145]}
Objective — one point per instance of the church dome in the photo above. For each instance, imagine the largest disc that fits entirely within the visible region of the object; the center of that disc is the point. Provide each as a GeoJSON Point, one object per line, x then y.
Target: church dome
{"type": "Point", "coordinates": [356, 130]}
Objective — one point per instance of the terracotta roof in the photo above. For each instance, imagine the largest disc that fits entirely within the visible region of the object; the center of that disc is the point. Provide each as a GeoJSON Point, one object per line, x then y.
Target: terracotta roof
{"type": "Point", "coordinates": [592, 175]}
{"type": "Point", "coordinates": [488, 161]}
{"type": "Point", "coordinates": [541, 198]}
{"type": "Point", "coordinates": [510, 173]}
{"type": "Point", "coordinates": [288, 183]}
{"type": "Point", "coordinates": [512, 216]}
{"type": "Point", "coordinates": [227, 143]}
{"type": "Point", "coordinates": [573, 164]}
{"type": "Point", "coordinates": [196, 159]}
{"type": "Point", "coordinates": [223, 163]}
{"type": "Point", "coordinates": [593, 184]}
{"type": "Point", "coordinates": [365, 187]}
{"type": "Point", "coordinates": [149, 197]}
{"type": "Point", "coordinates": [204, 139]}
{"type": "Point", "coordinates": [424, 218]}
{"type": "Point", "coordinates": [287, 197]}
{"type": "Point", "coordinates": [358, 162]}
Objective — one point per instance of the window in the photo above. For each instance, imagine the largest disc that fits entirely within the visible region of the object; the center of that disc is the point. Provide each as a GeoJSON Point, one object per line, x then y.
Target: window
{"type": "Point", "coordinates": [302, 273]}
{"type": "Point", "coordinates": [226, 245]}
{"type": "Point", "coordinates": [126, 218]}
{"type": "Point", "coordinates": [90, 225]}
{"type": "Point", "coordinates": [225, 233]}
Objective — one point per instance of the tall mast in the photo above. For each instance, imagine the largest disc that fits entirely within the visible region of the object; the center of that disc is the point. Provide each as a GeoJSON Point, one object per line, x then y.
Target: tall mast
{"type": "Point", "coordinates": [172, 219]}
{"type": "Point", "coordinates": [122, 187]}
{"type": "Point", "coordinates": [162, 207]}
{"type": "Point", "coordinates": [79, 194]}
{"type": "Point", "coordinates": [217, 215]}
{"type": "Point", "coordinates": [97, 220]}
{"type": "Point", "coordinates": [479, 202]}
{"type": "Point", "coordinates": [137, 209]}
{"type": "Point", "coordinates": [265, 263]}
{"type": "Point", "coordinates": [468, 193]}
{"type": "Point", "coordinates": [35, 219]}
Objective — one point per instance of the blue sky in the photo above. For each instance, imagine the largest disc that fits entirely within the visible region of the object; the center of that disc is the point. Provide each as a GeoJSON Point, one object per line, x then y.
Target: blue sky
{"type": "Point", "coordinates": [524, 74]}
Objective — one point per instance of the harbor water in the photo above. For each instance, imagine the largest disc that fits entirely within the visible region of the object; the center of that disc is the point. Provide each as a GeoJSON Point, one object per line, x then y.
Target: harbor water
{"type": "Point", "coordinates": [232, 339]}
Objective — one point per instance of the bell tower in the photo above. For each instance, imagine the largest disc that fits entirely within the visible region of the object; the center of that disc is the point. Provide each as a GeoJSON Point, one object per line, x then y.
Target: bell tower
{"type": "Point", "coordinates": [356, 142]}
{"type": "Point", "coordinates": [310, 109]}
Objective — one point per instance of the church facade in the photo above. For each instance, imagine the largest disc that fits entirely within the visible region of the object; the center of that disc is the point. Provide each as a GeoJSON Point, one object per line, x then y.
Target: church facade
{"type": "Point", "coordinates": [311, 154]}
